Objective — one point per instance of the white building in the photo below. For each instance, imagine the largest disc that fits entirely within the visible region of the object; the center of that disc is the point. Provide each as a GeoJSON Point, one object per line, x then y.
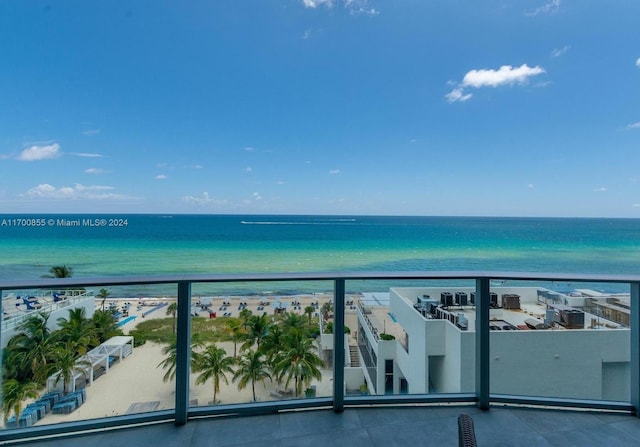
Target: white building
{"type": "Point", "coordinates": [542, 344]}
{"type": "Point", "coordinates": [57, 305]}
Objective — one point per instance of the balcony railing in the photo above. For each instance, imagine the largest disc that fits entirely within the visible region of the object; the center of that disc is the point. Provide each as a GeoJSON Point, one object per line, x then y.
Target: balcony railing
{"type": "Point", "coordinates": [482, 396]}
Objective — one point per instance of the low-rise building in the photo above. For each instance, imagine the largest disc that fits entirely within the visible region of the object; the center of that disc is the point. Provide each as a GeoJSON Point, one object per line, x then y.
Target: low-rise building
{"type": "Point", "coordinates": [542, 343]}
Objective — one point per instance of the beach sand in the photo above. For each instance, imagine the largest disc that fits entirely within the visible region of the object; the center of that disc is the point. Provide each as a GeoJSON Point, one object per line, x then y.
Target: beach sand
{"type": "Point", "coordinates": [135, 383]}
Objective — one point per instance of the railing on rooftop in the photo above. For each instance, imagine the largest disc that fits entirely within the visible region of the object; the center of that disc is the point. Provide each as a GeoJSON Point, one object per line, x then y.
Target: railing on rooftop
{"type": "Point", "coordinates": [13, 319]}
{"type": "Point", "coordinates": [482, 396]}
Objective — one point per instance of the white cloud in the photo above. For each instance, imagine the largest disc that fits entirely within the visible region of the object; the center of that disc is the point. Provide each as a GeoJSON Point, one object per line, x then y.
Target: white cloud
{"type": "Point", "coordinates": [306, 34]}
{"type": "Point", "coordinates": [557, 52]}
{"type": "Point", "coordinates": [248, 169]}
{"type": "Point", "coordinates": [279, 182]}
{"type": "Point", "coordinates": [457, 94]}
{"type": "Point", "coordinates": [548, 8]}
{"type": "Point", "coordinates": [638, 62]}
{"type": "Point", "coordinates": [315, 3]}
{"type": "Point", "coordinates": [355, 7]}
{"type": "Point", "coordinates": [249, 149]}
{"type": "Point", "coordinates": [256, 196]}
{"type": "Point", "coordinates": [76, 192]}
{"type": "Point", "coordinates": [335, 172]}
{"type": "Point", "coordinates": [34, 153]}
{"type": "Point", "coordinates": [204, 200]}
{"type": "Point", "coordinates": [94, 171]}
{"type": "Point", "coordinates": [636, 205]}
{"type": "Point", "coordinates": [90, 132]}
{"type": "Point", "coordinates": [601, 189]}
{"type": "Point", "coordinates": [531, 186]}
{"type": "Point", "coordinates": [358, 7]}
{"type": "Point", "coordinates": [161, 177]}
{"type": "Point", "coordinates": [505, 75]}
{"type": "Point", "coordinates": [85, 154]}
{"type": "Point", "coordinates": [634, 125]}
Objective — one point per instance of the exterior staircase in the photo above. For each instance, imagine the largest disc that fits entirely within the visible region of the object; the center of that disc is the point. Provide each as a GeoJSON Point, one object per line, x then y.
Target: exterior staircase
{"type": "Point", "coordinates": [355, 358]}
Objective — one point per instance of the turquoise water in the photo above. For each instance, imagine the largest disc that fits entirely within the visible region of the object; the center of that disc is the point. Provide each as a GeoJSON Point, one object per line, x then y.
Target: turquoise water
{"type": "Point", "coordinates": [154, 244]}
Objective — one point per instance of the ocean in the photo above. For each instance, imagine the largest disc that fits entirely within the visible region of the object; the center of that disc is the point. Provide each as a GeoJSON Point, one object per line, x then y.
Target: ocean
{"type": "Point", "coordinates": [142, 244]}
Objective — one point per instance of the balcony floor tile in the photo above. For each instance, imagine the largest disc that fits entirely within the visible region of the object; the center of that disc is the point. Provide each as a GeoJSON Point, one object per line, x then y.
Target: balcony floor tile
{"type": "Point", "coordinates": [379, 426]}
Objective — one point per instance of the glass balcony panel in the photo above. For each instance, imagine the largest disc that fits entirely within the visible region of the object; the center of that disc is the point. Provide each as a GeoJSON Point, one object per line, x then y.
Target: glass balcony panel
{"type": "Point", "coordinates": [259, 341]}
{"type": "Point", "coordinates": [79, 354]}
{"type": "Point", "coordinates": [548, 340]}
{"type": "Point", "coordinates": [566, 341]}
{"type": "Point", "coordinates": [409, 337]}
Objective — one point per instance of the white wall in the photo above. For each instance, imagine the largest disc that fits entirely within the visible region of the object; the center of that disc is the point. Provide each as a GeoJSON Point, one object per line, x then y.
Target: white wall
{"type": "Point", "coordinates": [61, 310]}
{"type": "Point", "coordinates": [581, 364]}
{"type": "Point", "coordinates": [353, 378]}
{"type": "Point", "coordinates": [414, 364]}
{"type": "Point", "coordinates": [567, 364]}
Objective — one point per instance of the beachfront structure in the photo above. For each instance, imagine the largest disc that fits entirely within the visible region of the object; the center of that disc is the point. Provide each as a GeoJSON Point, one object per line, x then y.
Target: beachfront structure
{"type": "Point", "coordinates": [93, 364]}
{"type": "Point", "coordinates": [542, 343]}
{"type": "Point", "coordinates": [18, 307]}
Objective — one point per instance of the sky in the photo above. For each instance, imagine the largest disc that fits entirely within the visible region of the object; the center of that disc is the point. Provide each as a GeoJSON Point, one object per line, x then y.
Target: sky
{"type": "Point", "coordinates": [346, 107]}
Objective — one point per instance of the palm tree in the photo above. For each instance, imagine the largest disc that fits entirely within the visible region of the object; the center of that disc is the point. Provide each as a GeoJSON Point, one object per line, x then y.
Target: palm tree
{"type": "Point", "coordinates": [273, 341]}
{"type": "Point", "coordinates": [214, 363]}
{"type": "Point", "coordinates": [169, 363]}
{"type": "Point", "coordinates": [272, 345]}
{"type": "Point", "coordinates": [32, 348]}
{"type": "Point", "coordinates": [298, 361]}
{"type": "Point", "coordinates": [293, 321]}
{"type": "Point", "coordinates": [173, 311]}
{"type": "Point", "coordinates": [103, 293]}
{"type": "Point", "coordinates": [14, 393]}
{"type": "Point", "coordinates": [245, 315]}
{"type": "Point", "coordinates": [237, 332]}
{"type": "Point", "coordinates": [251, 367]}
{"type": "Point", "coordinates": [105, 325]}
{"type": "Point", "coordinates": [326, 308]}
{"type": "Point", "coordinates": [59, 271]}
{"type": "Point", "coordinates": [257, 330]}
{"type": "Point", "coordinates": [66, 362]}
{"type": "Point", "coordinates": [171, 351]}
{"type": "Point", "coordinates": [309, 310]}
{"type": "Point", "coordinates": [78, 330]}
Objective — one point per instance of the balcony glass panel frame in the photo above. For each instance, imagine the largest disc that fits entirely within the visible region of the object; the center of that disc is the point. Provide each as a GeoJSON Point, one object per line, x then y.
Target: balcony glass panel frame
{"type": "Point", "coordinates": [482, 396]}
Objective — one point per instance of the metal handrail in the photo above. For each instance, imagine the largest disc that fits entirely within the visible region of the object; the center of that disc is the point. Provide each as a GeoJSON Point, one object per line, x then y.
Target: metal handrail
{"type": "Point", "coordinates": [311, 276]}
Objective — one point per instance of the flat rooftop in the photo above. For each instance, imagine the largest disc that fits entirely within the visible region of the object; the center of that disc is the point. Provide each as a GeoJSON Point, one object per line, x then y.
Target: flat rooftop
{"type": "Point", "coordinates": [377, 312]}
{"type": "Point", "coordinates": [532, 306]}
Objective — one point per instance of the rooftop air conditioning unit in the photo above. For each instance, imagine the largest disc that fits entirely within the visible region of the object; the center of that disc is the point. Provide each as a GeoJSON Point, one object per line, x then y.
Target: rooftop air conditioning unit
{"type": "Point", "coordinates": [461, 299]}
{"type": "Point", "coordinates": [571, 318]}
{"type": "Point", "coordinates": [534, 323]}
{"type": "Point", "coordinates": [446, 299]}
{"type": "Point", "coordinates": [510, 301]}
